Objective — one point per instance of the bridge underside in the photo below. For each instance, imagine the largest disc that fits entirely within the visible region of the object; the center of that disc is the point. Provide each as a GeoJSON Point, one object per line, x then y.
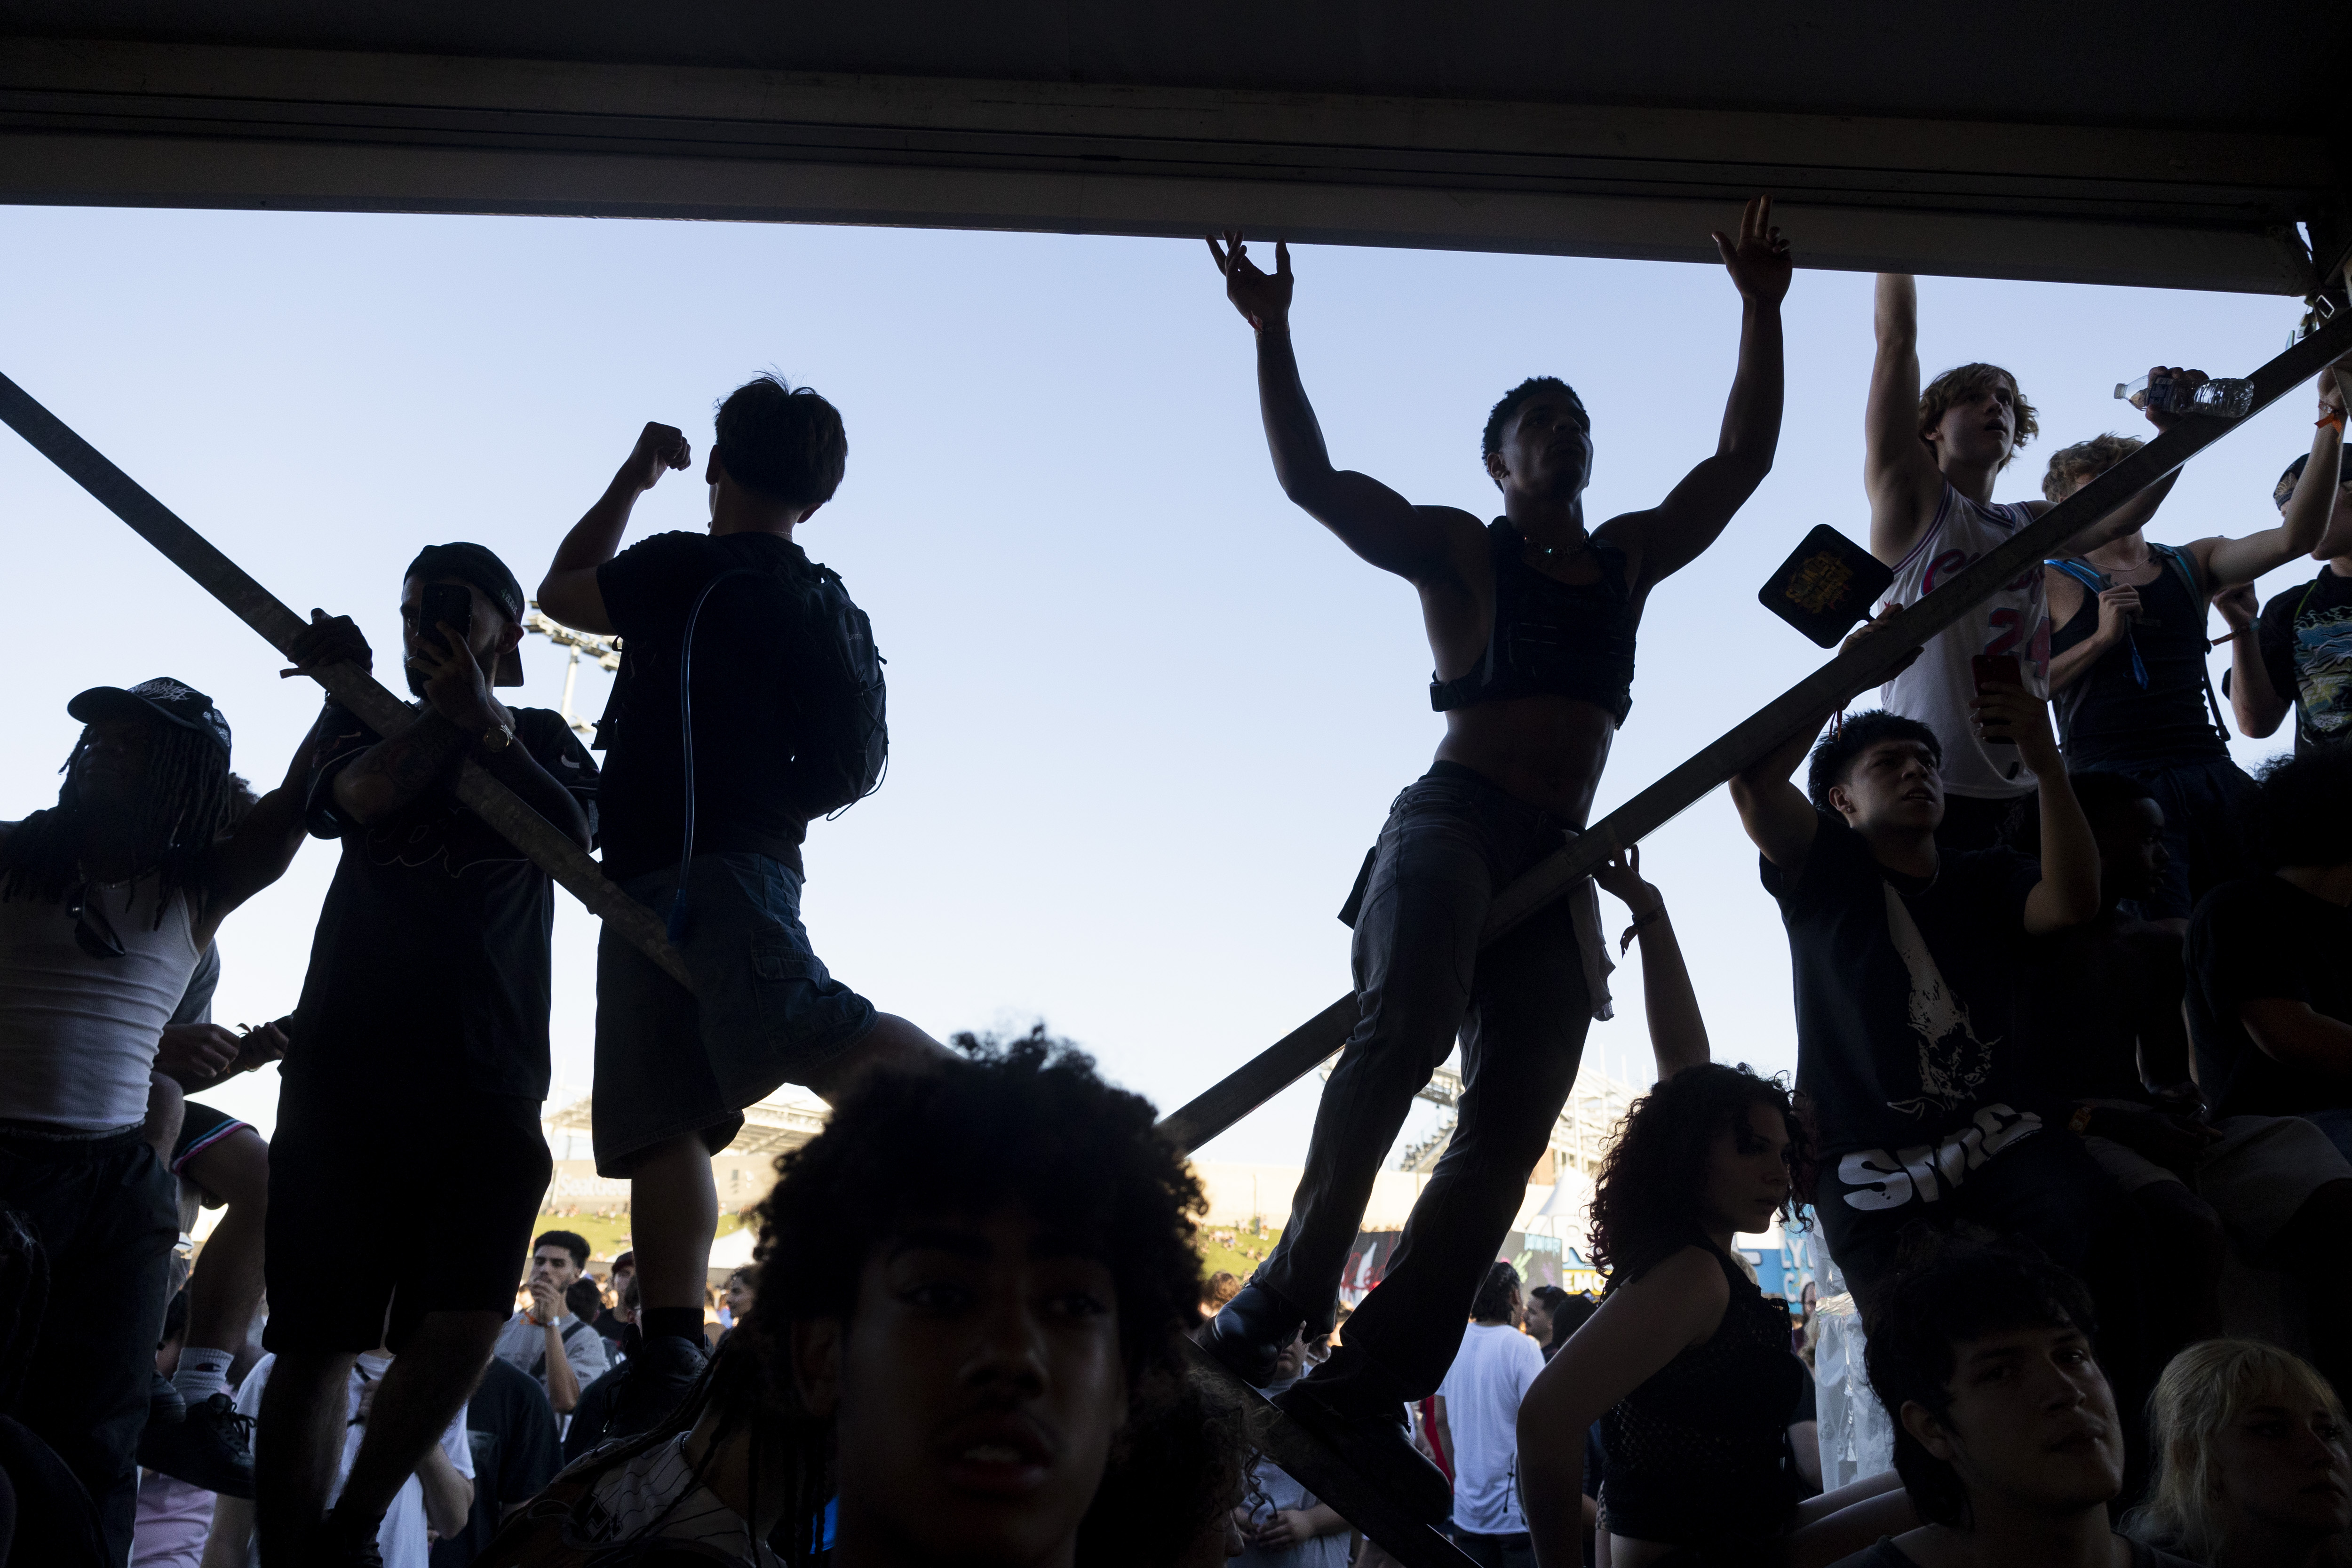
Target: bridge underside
{"type": "Point", "coordinates": [2196, 147]}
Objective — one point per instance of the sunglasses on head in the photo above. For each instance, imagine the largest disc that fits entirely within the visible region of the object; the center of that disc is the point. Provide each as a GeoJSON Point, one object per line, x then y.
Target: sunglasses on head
{"type": "Point", "coordinates": [93, 932]}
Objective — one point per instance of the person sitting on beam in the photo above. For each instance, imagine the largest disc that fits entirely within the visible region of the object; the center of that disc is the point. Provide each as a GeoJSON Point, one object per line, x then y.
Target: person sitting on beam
{"type": "Point", "coordinates": [1531, 619]}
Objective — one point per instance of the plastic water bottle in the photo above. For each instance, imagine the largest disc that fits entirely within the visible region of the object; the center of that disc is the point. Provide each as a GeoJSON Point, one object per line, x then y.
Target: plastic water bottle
{"type": "Point", "coordinates": [2223, 399]}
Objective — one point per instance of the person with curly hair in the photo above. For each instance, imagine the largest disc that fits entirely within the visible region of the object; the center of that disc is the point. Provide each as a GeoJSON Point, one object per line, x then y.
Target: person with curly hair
{"type": "Point", "coordinates": [1686, 1365]}
{"type": "Point", "coordinates": [968, 1282]}
{"type": "Point", "coordinates": [2251, 1467]}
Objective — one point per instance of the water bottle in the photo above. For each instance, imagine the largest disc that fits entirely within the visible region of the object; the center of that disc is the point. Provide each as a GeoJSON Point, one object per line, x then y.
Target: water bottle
{"type": "Point", "coordinates": [2223, 399]}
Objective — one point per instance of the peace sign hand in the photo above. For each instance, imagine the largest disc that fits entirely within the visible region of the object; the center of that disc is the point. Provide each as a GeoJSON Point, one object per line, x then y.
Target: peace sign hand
{"type": "Point", "coordinates": [1759, 260]}
{"type": "Point", "coordinates": [1263, 300]}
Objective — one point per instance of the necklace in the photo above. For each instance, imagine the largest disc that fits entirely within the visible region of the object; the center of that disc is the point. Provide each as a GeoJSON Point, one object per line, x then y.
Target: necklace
{"type": "Point", "coordinates": [1557, 553]}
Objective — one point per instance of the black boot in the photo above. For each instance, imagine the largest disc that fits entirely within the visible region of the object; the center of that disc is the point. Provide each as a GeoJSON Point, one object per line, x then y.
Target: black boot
{"type": "Point", "coordinates": [1250, 1335]}
{"type": "Point", "coordinates": [656, 1382]}
{"type": "Point", "coordinates": [1372, 1435]}
{"type": "Point", "coordinates": [213, 1448]}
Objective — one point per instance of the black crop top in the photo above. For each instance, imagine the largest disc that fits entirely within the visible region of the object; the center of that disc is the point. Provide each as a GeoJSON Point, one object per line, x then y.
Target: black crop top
{"type": "Point", "coordinates": [1564, 638]}
{"type": "Point", "coordinates": [1699, 1453]}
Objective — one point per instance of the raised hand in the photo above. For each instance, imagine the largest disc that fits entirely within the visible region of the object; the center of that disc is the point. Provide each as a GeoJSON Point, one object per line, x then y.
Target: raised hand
{"type": "Point", "coordinates": [1758, 261]}
{"type": "Point", "coordinates": [2012, 713]}
{"type": "Point", "coordinates": [327, 639]}
{"type": "Point", "coordinates": [658, 446]}
{"type": "Point", "coordinates": [2188, 379]}
{"type": "Point", "coordinates": [453, 682]}
{"type": "Point", "coordinates": [1263, 300]}
{"type": "Point", "coordinates": [2240, 605]}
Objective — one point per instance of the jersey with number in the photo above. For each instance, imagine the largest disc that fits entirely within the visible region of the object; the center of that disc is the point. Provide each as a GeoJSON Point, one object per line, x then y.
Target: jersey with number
{"type": "Point", "coordinates": [1938, 687]}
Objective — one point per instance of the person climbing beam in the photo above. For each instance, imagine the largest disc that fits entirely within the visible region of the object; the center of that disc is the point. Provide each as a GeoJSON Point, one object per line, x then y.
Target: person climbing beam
{"type": "Point", "coordinates": [1531, 620]}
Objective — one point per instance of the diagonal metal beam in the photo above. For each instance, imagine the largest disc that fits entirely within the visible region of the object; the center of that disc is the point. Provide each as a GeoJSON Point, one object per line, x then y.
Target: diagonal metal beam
{"type": "Point", "coordinates": [1412, 1541]}
{"type": "Point", "coordinates": [354, 688]}
{"type": "Point", "coordinates": [1297, 1053]}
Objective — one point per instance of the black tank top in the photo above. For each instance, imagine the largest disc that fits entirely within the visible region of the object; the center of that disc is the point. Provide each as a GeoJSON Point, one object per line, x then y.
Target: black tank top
{"type": "Point", "coordinates": [1699, 1453]}
{"type": "Point", "coordinates": [1563, 638]}
{"type": "Point", "coordinates": [2145, 699]}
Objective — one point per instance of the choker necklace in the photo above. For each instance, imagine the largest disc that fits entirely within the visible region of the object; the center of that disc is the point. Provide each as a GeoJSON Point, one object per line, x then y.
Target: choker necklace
{"type": "Point", "coordinates": [1556, 552]}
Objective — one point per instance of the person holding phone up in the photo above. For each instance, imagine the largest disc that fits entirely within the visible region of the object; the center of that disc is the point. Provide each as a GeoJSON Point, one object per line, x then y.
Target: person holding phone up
{"type": "Point", "coordinates": [419, 1059]}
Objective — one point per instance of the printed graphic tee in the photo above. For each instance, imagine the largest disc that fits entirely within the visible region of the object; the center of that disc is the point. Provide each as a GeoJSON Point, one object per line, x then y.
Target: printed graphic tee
{"type": "Point", "coordinates": [1908, 1043]}
{"type": "Point", "coordinates": [2306, 637]}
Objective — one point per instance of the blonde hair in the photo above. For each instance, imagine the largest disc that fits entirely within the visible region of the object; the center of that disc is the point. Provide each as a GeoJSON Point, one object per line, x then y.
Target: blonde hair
{"type": "Point", "coordinates": [2072, 467]}
{"type": "Point", "coordinates": [2207, 1387]}
{"type": "Point", "coordinates": [1963, 382]}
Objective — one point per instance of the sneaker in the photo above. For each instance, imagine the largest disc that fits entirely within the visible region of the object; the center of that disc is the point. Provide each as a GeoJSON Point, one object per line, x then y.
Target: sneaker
{"type": "Point", "coordinates": [1251, 1333]}
{"type": "Point", "coordinates": [1377, 1445]}
{"type": "Point", "coordinates": [164, 1405]}
{"type": "Point", "coordinates": [654, 1385]}
{"type": "Point", "coordinates": [213, 1448]}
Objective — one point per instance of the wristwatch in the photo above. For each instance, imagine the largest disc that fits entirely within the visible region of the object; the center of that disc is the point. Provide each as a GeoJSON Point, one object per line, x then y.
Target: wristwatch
{"type": "Point", "coordinates": [496, 738]}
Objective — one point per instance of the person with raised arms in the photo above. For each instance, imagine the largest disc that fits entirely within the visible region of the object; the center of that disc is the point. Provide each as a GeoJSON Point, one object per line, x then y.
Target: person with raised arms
{"type": "Point", "coordinates": [1531, 619]}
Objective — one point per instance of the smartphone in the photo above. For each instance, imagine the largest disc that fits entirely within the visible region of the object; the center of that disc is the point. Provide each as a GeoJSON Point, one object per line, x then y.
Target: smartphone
{"type": "Point", "coordinates": [1991, 669]}
{"type": "Point", "coordinates": [450, 601]}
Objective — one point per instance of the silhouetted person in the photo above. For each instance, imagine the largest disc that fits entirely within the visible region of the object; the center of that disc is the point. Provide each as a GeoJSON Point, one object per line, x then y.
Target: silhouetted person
{"type": "Point", "coordinates": [1531, 619]}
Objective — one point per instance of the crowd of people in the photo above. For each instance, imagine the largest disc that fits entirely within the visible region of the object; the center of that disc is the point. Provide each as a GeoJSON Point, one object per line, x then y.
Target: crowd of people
{"type": "Point", "coordinates": [2069, 998]}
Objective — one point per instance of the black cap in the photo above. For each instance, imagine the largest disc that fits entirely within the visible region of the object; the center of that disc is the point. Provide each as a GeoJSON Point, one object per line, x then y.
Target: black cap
{"type": "Point", "coordinates": [476, 564]}
{"type": "Point", "coordinates": [161, 698]}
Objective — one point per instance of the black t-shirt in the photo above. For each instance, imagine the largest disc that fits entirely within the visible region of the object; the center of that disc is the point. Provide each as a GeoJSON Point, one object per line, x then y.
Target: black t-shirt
{"type": "Point", "coordinates": [2092, 995]}
{"type": "Point", "coordinates": [1905, 992]}
{"type": "Point", "coordinates": [430, 964]}
{"type": "Point", "coordinates": [743, 729]}
{"type": "Point", "coordinates": [2257, 938]}
{"type": "Point", "coordinates": [511, 1428]}
{"type": "Point", "coordinates": [2306, 637]}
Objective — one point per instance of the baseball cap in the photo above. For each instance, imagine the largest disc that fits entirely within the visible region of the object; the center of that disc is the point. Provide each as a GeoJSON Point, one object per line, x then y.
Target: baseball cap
{"type": "Point", "coordinates": [476, 564]}
{"type": "Point", "coordinates": [164, 697]}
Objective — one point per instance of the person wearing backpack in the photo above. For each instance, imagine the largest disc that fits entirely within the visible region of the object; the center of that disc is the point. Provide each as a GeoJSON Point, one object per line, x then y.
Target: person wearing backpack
{"type": "Point", "coordinates": [750, 699]}
{"type": "Point", "coordinates": [2128, 677]}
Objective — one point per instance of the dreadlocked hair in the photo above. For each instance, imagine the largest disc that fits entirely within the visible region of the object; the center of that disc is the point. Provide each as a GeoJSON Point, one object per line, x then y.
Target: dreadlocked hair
{"type": "Point", "coordinates": [1645, 1202]}
{"type": "Point", "coordinates": [190, 799]}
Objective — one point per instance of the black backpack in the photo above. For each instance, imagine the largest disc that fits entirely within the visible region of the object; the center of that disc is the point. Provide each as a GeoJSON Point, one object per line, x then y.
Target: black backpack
{"type": "Point", "coordinates": [840, 703]}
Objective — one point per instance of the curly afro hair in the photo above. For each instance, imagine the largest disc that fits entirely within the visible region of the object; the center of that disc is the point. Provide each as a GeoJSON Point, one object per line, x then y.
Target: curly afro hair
{"type": "Point", "coordinates": [1645, 1202]}
{"type": "Point", "coordinates": [1026, 1121]}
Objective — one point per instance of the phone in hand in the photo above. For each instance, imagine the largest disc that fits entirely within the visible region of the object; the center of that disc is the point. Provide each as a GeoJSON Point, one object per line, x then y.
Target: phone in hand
{"type": "Point", "coordinates": [1991, 669]}
{"type": "Point", "coordinates": [449, 602]}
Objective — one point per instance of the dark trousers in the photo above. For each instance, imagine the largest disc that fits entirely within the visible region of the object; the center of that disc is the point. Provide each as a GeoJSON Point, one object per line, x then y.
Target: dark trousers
{"type": "Point", "coordinates": [1495, 1551]}
{"type": "Point", "coordinates": [1452, 842]}
{"type": "Point", "coordinates": [106, 1214]}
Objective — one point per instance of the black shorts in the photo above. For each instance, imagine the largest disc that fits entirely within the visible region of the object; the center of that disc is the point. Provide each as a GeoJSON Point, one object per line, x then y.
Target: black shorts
{"type": "Point", "coordinates": [385, 1206]}
{"type": "Point", "coordinates": [200, 1129]}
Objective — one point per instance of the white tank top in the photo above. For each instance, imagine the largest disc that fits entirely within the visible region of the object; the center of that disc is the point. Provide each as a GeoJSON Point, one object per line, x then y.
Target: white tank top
{"type": "Point", "coordinates": [77, 1034]}
{"type": "Point", "coordinates": [1937, 688]}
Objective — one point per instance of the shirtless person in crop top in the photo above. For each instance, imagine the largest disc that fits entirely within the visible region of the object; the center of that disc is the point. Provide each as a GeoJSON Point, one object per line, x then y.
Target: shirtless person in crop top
{"type": "Point", "coordinates": [1531, 621]}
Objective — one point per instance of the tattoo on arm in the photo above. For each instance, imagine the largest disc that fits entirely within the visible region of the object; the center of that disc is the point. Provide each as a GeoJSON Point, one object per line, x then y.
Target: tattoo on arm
{"type": "Point", "coordinates": [412, 761]}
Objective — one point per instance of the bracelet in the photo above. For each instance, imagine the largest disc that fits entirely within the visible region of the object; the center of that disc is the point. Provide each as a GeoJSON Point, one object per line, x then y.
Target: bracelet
{"type": "Point", "coordinates": [2330, 421]}
{"type": "Point", "coordinates": [2079, 1123]}
{"type": "Point", "coordinates": [2212, 643]}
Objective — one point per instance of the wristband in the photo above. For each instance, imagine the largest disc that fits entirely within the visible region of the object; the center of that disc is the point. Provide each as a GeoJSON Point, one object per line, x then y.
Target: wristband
{"type": "Point", "coordinates": [2330, 421]}
{"type": "Point", "coordinates": [2079, 1123]}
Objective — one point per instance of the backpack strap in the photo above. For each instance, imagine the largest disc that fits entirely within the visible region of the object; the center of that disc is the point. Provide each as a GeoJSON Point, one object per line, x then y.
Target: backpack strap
{"type": "Point", "coordinates": [2095, 582]}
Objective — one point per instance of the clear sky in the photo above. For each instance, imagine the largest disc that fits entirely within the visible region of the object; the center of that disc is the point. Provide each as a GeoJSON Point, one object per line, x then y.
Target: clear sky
{"type": "Point", "coordinates": [1146, 717]}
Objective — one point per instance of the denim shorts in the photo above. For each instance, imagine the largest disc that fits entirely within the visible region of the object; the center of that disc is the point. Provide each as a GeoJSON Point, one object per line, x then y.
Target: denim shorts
{"type": "Point", "coordinates": [763, 1012]}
